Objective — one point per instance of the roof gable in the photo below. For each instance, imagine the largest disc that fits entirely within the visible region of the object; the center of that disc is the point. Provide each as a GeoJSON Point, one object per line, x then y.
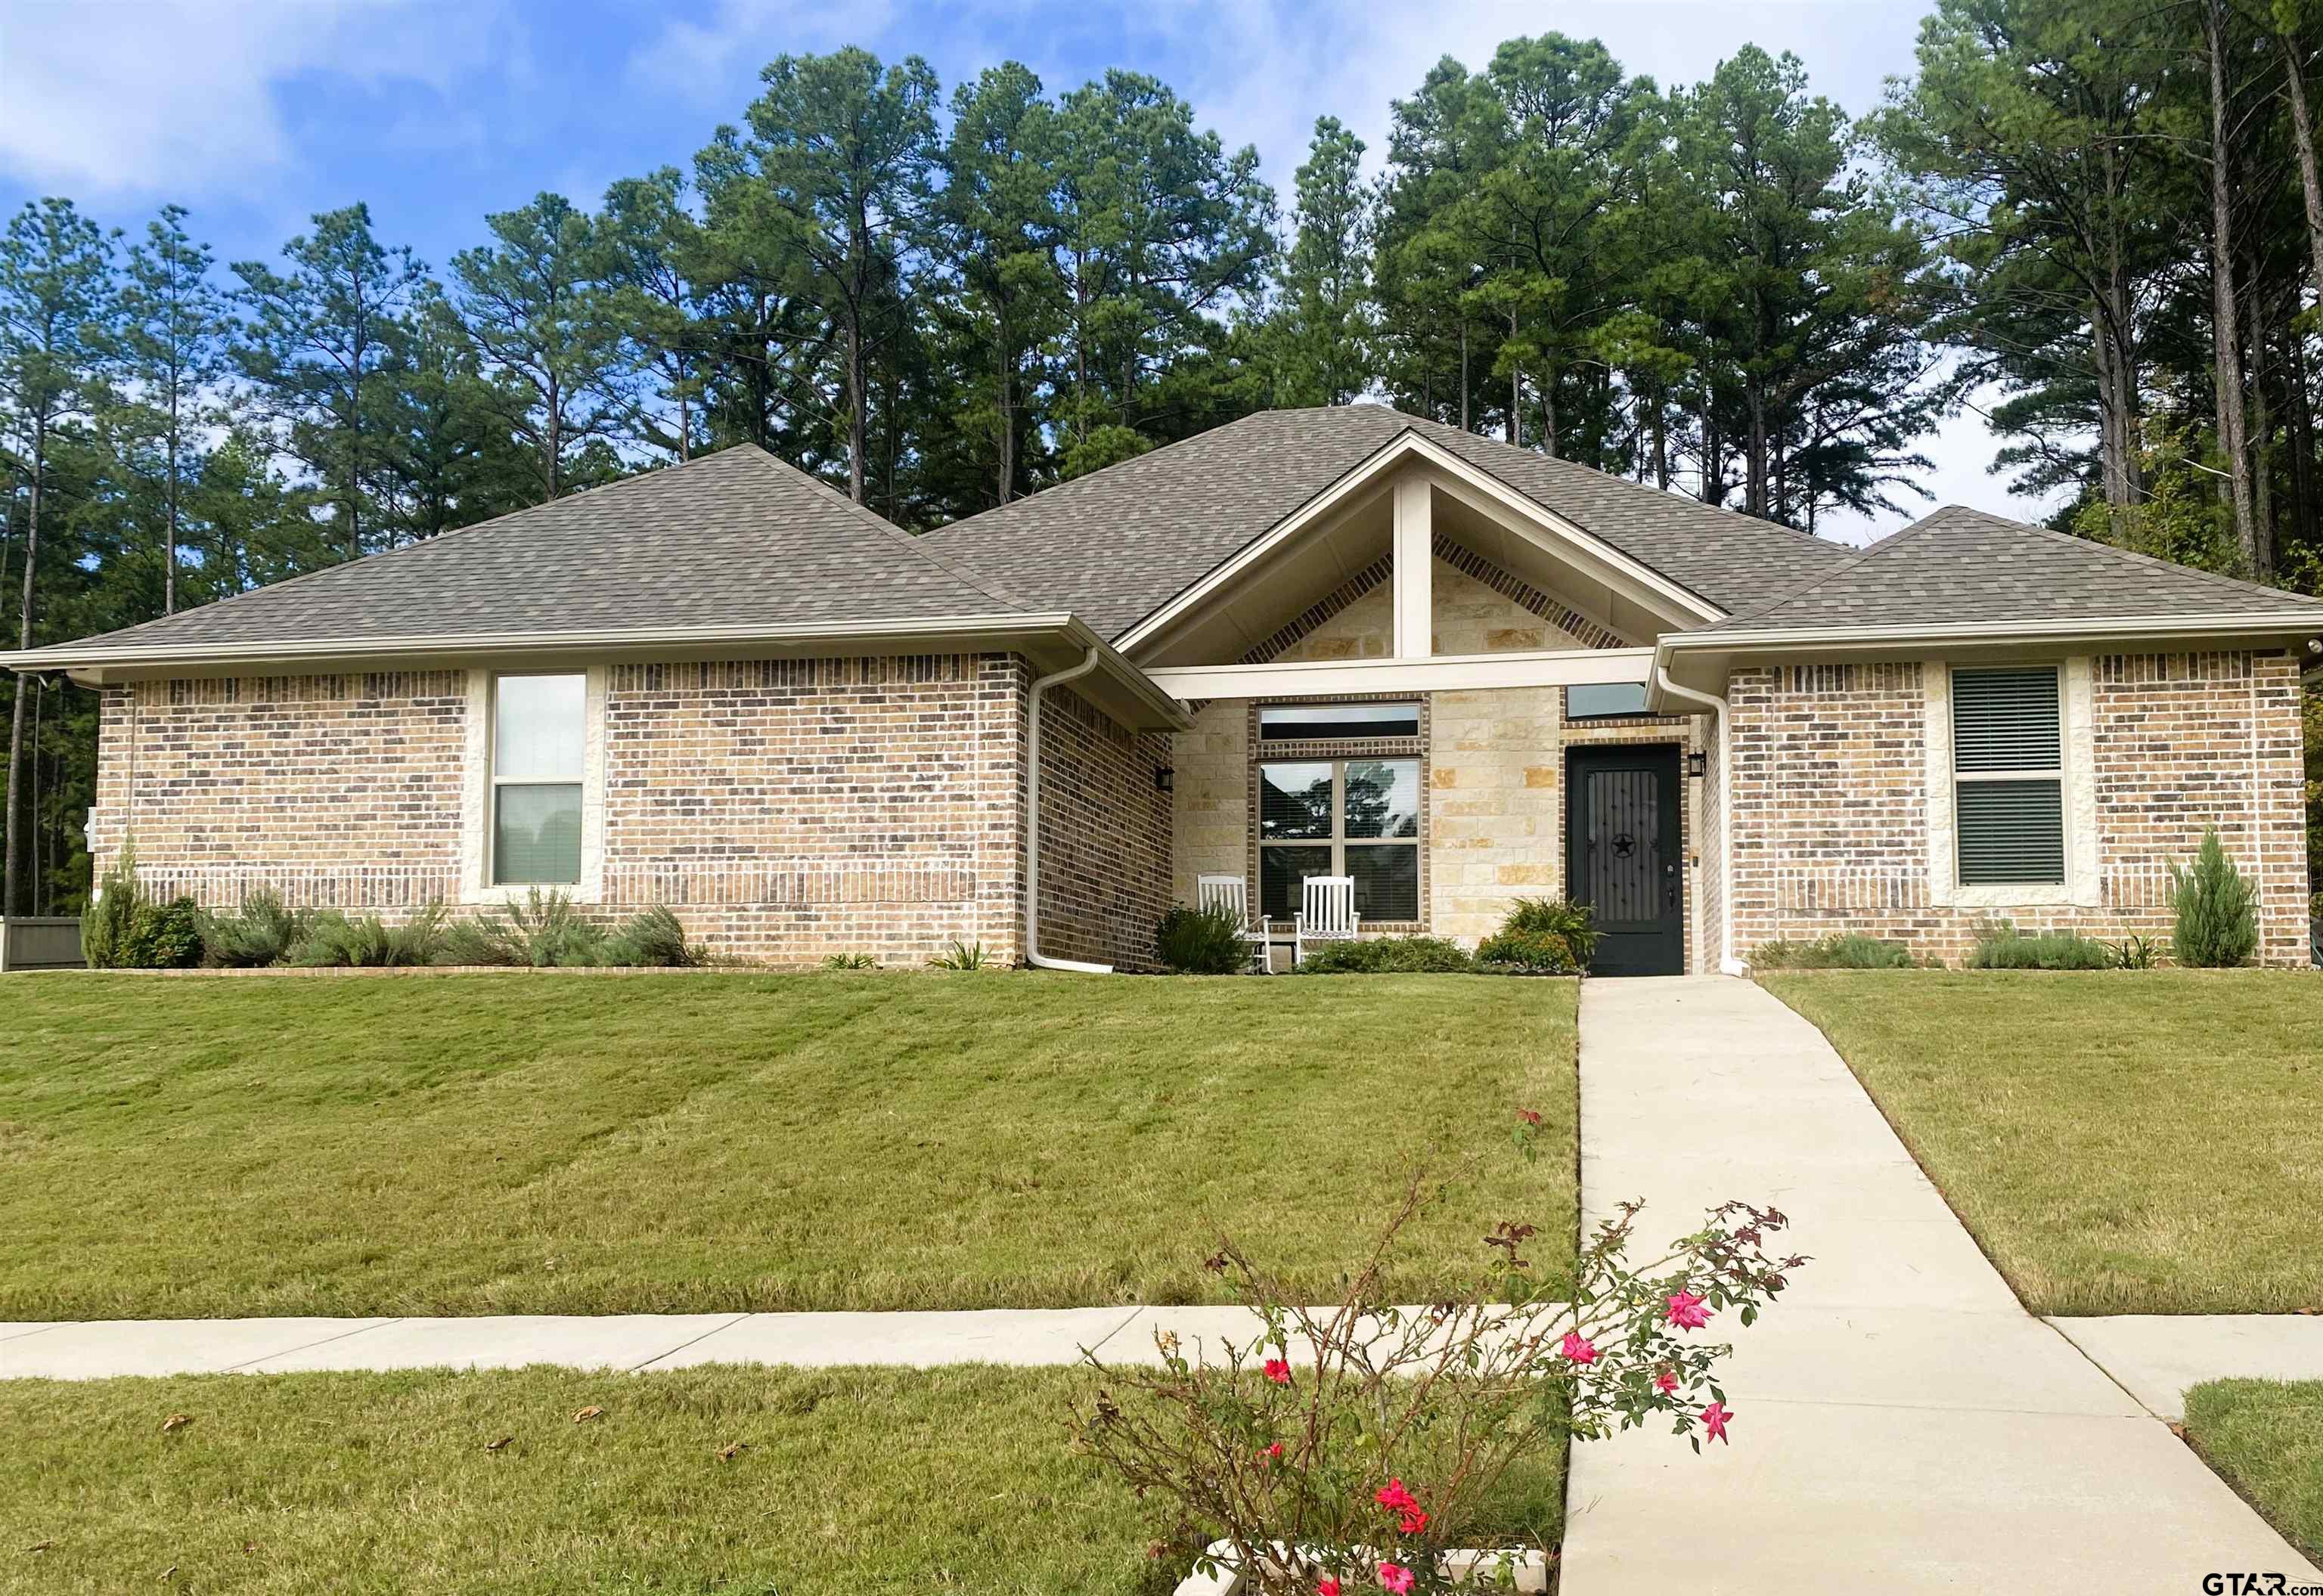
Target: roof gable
{"type": "Point", "coordinates": [1117, 544]}
{"type": "Point", "coordinates": [736, 538]}
{"type": "Point", "coordinates": [1961, 566]}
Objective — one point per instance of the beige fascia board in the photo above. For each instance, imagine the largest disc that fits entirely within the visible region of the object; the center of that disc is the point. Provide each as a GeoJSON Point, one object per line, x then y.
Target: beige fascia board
{"type": "Point", "coordinates": [1442, 673]}
{"type": "Point", "coordinates": [1045, 637]}
{"type": "Point", "coordinates": [1362, 478]}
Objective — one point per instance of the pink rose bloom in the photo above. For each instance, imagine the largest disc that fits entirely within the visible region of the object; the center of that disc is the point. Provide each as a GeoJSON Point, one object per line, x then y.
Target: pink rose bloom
{"type": "Point", "coordinates": [1394, 1498]}
{"type": "Point", "coordinates": [1411, 1521]}
{"type": "Point", "coordinates": [1578, 1347]}
{"type": "Point", "coordinates": [1713, 1419]}
{"type": "Point", "coordinates": [1686, 1312]}
{"type": "Point", "coordinates": [1278, 1371]}
{"type": "Point", "coordinates": [1327, 1586]}
{"type": "Point", "coordinates": [1395, 1577]}
{"type": "Point", "coordinates": [1272, 1452]}
{"type": "Point", "coordinates": [1664, 1382]}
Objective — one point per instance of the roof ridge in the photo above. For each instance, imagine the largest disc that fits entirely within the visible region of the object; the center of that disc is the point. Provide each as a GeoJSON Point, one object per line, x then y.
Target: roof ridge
{"type": "Point", "coordinates": [894, 533]}
{"type": "Point", "coordinates": [2128, 556]}
{"type": "Point", "coordinates": [1849, 566]}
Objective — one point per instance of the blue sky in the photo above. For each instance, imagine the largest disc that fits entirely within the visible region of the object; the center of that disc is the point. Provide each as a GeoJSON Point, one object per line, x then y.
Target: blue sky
{"type": "Point", "coordinates": [257, 113]}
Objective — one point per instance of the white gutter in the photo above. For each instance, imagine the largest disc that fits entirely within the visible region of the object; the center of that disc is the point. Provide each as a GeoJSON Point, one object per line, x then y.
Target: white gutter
{"type": "Point", "coordinates": [2147, 628]}
{"type": "Point", "coordinates": [1033, 955]}
{"type": "Point", "coordinates": [1718, 706]}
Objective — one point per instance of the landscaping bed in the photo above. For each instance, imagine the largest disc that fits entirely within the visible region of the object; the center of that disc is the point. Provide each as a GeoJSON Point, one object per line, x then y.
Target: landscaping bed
{"type": "Point", "coordinates": [852, 1479]}
{"type": "Point", "coordinates": [2265, 1439]}
{"type": "Point", "coordinates": [540, 1143]}
{"type": "Point", "coordinates": [2124, 1141]}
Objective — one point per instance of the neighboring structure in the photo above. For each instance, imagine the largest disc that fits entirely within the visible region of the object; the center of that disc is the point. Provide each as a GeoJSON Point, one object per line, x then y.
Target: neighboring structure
{"type": "Point", "coordinates": [1315, 642]}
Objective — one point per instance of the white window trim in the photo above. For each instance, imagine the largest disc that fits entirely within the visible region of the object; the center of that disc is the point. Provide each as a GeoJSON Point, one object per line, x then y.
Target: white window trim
{"type": "Point", "coordinates": [476, 884]}
{"type": "Point", "coordinates": [2076, 706]}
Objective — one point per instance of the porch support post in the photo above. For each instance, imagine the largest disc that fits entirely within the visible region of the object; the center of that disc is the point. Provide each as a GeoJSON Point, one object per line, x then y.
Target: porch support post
{"type": "Point", "coordinates": [1415, 567]}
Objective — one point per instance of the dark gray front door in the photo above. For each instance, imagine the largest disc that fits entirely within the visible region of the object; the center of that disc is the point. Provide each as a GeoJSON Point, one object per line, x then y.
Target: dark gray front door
{"type": "Point", "coordinates": [1623, 855]}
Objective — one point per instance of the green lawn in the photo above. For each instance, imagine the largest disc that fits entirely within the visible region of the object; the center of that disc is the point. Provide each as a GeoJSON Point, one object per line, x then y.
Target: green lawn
{"type": "Point", "coordinates": [2119, 1143]}
{"type": "Point", "coordinates": [856, 1480]}
{"type": "Point", "coordinates": [2265, 1438]}
{"type": "Point", "coordinates": [537, 1143]}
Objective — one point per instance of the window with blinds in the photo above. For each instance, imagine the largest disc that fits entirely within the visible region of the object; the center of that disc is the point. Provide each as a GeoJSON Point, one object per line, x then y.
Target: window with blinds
{"type": "Point", "coordinates": [2008, 780]}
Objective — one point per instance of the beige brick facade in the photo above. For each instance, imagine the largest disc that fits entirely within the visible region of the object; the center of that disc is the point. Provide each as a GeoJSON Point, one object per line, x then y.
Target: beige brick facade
{"type": "Point", "coordinates": [785, 809]}
{"type": "Point", "coordinates": [1832, 818]}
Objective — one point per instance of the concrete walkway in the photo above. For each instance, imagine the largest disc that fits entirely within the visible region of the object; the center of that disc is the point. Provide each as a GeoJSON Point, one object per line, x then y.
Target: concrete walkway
{"type": "Point", "coordinates": [2159, 1357]}
{"type": "Point", "coordinates": [1903, 1424]}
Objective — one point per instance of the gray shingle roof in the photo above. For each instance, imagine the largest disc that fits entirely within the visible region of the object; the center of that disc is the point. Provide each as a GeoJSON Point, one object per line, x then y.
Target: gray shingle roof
{"type": "Point", "coordinates": [1116, 545]}
{"type": "Point", "coordinates": [735, 538]}
{"type": "Point", "coordinates": [1962, 565]}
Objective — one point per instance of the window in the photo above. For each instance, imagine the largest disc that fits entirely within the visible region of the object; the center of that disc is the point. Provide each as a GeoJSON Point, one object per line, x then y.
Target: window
{"type": "Point", "coordinates": [1604, 701]}
{"type": "Point", "coordinates": [1341, 817]}
{"type": "Point", "coordinates": [2009, 782]}
{"type": "Point", "coordinates": [1336, 723]}
{"type": "Point", "coordinates": [538, 741]}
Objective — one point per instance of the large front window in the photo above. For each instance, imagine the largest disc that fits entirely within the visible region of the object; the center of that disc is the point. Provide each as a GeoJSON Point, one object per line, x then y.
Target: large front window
{"type": "Point", "coordinates": [1340, 817]}
{"type": "Point", "coordinates": [537, 749]}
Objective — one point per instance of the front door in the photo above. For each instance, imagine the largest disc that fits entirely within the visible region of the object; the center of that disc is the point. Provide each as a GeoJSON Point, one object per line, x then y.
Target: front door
{"type": "Point", "coordinates": [1622, 855]}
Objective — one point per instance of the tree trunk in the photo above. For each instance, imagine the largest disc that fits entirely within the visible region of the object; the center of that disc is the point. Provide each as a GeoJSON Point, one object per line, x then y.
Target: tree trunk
{"type": "Point", "coordinates": [1463, 373]}
{"type": "Point", "coordinates": [1549, 414]}
{"type": "Point", "coordinates": [24, 641]}
{"type": "Point", "coordinates": [1515, 386]}
{"type": "Point", "coordinates": [1006, 370]}
{"type": "Point", "coordinates": [1754, 459]}
{"type": "Point", "coordinates": [2233, 437]}
{"type": "Point", "coordinates": [169, 532]}
{"type": "Point", "coordinates": [2310, 185]}
{"type": "Point", "coordinates": [857, 434]}
{"type": "Point", "coordinates": [2304, 522]}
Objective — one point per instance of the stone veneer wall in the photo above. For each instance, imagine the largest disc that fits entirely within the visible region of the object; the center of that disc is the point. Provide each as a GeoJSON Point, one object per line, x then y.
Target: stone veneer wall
{"type": "Point", "coordinates": [785, 809]}
{"type": "Point", "coordinates": [1830, 820]}
{"type": "Point", "coordinates": [1105, 835]}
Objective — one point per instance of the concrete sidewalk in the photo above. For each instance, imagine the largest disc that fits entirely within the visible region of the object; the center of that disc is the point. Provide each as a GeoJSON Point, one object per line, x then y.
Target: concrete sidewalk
{"type": "Point", "coordinates": [2159, 1357]}
{"type": "Point", "coordinates": [1902, 1423]}
{"type": "Point", "coordinates": [97, 1348]}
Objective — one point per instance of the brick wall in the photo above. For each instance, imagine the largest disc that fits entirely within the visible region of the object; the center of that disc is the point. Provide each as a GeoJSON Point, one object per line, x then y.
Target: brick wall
{"type": "Point", "coordinates": [1105, 835]}
{"type": "Point", "coordinates": [1831, 825]}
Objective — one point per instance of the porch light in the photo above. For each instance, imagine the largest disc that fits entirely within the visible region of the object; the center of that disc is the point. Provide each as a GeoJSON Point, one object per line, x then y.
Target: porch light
{"type": "Point", "coordinates": [1697, 762]}
{"type": "Point", "coordinates": [1165, 779]}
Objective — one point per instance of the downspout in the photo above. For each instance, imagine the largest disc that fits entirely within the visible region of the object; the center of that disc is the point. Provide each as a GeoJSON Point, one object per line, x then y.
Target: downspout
{"type": "Point", "coordinates": [1727, 962]}
{"type": "Point", "coordinates": [1033, 955]}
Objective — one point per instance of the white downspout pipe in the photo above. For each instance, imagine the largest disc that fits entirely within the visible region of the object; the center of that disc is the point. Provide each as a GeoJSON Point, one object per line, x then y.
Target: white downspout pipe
{"type": "Point", "coordinates": [1033, 955]}
{"type": "Point", "coordinates": [1717, 706]}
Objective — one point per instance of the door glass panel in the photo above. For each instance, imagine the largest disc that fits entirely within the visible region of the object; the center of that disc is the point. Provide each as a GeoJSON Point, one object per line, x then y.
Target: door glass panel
{"type": "Point", "coordinates": [1280, 872]}
{"type": "Point", "coordinates": [1294, 800]}
{"type": "Point", "coordinates": [1383, 798]}
{"type": "Point", "coordinates": [1623, 868]}
{"type": "Point", "coordinates": [1387, 880]}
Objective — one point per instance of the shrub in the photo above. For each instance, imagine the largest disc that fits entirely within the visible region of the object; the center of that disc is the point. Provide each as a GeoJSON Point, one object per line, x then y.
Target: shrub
{"type": "Point", "coordinates": [1351, 1446]}
{"type": "Point", "coordinates": [2218, 910]}
{"type": "Point", "coordinates": [106, 925]}
{"type": "Point", "coordinates": [1201, 941]}
{"type": "Point", "coordinates": [850, 961]}
{"type": "Point", "coordinates": [333, 940]}
{"type": "Point", "coordinates": [655, 939]}
{"type": "Point", "coordinates": [2138, 953]}
{"type": "Point", "coordinates": [163, 937]}
{"type": "Point", "coordinates": [545, 931]}
{"type": "Point", "coordinates": [960, 956]}
{"type": "Point", "coordinates": [1426, 956]}
{"type": "Point", "coordinates": [1541, 936]}
{"type": "Point", "coordinates": [263, 934]}
{"type": "Point", "coordinates": [2000, 946]}
{"type": "Point", "coordinates": [1847, 950]}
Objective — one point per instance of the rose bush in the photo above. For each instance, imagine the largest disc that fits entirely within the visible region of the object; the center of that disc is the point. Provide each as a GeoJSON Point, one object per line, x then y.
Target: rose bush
{"type": "Point", "coordinates": [1350, 1447]}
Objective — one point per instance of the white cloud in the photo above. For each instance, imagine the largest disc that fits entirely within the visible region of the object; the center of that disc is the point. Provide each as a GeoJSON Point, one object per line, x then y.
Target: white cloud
{"type": "Point", "coordinates": [179, 96]}
{"type": "Point", "coordinates": [701, 61]}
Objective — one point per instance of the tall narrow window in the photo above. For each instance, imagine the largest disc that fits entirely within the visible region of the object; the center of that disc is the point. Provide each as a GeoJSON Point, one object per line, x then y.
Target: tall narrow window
{"type": "Point", "coordinates": [537, 740]}
{"type": "Point", "coordinates": [2009, 782]}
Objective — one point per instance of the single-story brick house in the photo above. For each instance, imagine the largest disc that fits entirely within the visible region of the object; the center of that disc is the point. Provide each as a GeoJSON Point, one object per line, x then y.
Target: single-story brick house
{"type": "Point", "coordinates": [1336, 641]}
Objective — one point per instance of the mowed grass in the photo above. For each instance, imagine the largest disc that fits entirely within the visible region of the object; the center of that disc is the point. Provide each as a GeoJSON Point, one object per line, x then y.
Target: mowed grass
{"type": "Point", "coordinates": [852, 1479]}
{"type": "Point", "coordinates": [537, 1143]}
{"type": "Point", "coordinates": [2119, 1143]}
{"type": "Point", "coordinates": [2265, 1439]}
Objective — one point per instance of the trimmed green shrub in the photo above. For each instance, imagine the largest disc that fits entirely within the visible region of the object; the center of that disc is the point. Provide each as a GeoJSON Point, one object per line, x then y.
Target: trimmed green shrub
{"type": "Point", "coordinates": [1377, 956]}
{"type": "Point", "coordinates": [2000, 946]}
{"type": "Point", "coordinates": [654, 938]}
{"type": "Point", "coordinates": [332, 940]}
{"type": "Point", "coordinates": [1846, 951]}
{"type": "Point", "coordinates": [106, 924]}
{"type": "Point", "coordinates": [2218, 910]}
{"type": "Point", "coordinates": [1200, 941]}
{"type": "Point", "coordinates": [1541, 936]}
{"type": "Point", "coordinates": [164, 937]}
{"type": "Point", "coordinates": [263, 934]}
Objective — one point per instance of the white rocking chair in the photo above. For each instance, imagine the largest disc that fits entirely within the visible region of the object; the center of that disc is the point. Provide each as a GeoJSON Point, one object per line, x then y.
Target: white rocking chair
{"type": "Point", "coordinates": [1232, 894]}
{"type": "Point", "coordinates": [1326, 914]}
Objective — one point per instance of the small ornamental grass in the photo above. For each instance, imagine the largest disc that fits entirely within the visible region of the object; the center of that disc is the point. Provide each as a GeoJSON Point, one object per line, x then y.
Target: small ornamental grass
{"type": "Point", "coordinates": [1849, 950]}
{"type": "Point", "coordinates": [1362, 1444]}
{"type": "Point", "coordinates": [1541, 936]}
{"type": "Point", "coordinates": [2000, 946]}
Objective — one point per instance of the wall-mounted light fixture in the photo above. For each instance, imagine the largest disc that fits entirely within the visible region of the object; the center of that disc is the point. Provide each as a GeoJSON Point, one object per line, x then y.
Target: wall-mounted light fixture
{"type": "Point", "coordinates": [1165, 779]}
{"type": "Point", "coordinates": [1697, 764]}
